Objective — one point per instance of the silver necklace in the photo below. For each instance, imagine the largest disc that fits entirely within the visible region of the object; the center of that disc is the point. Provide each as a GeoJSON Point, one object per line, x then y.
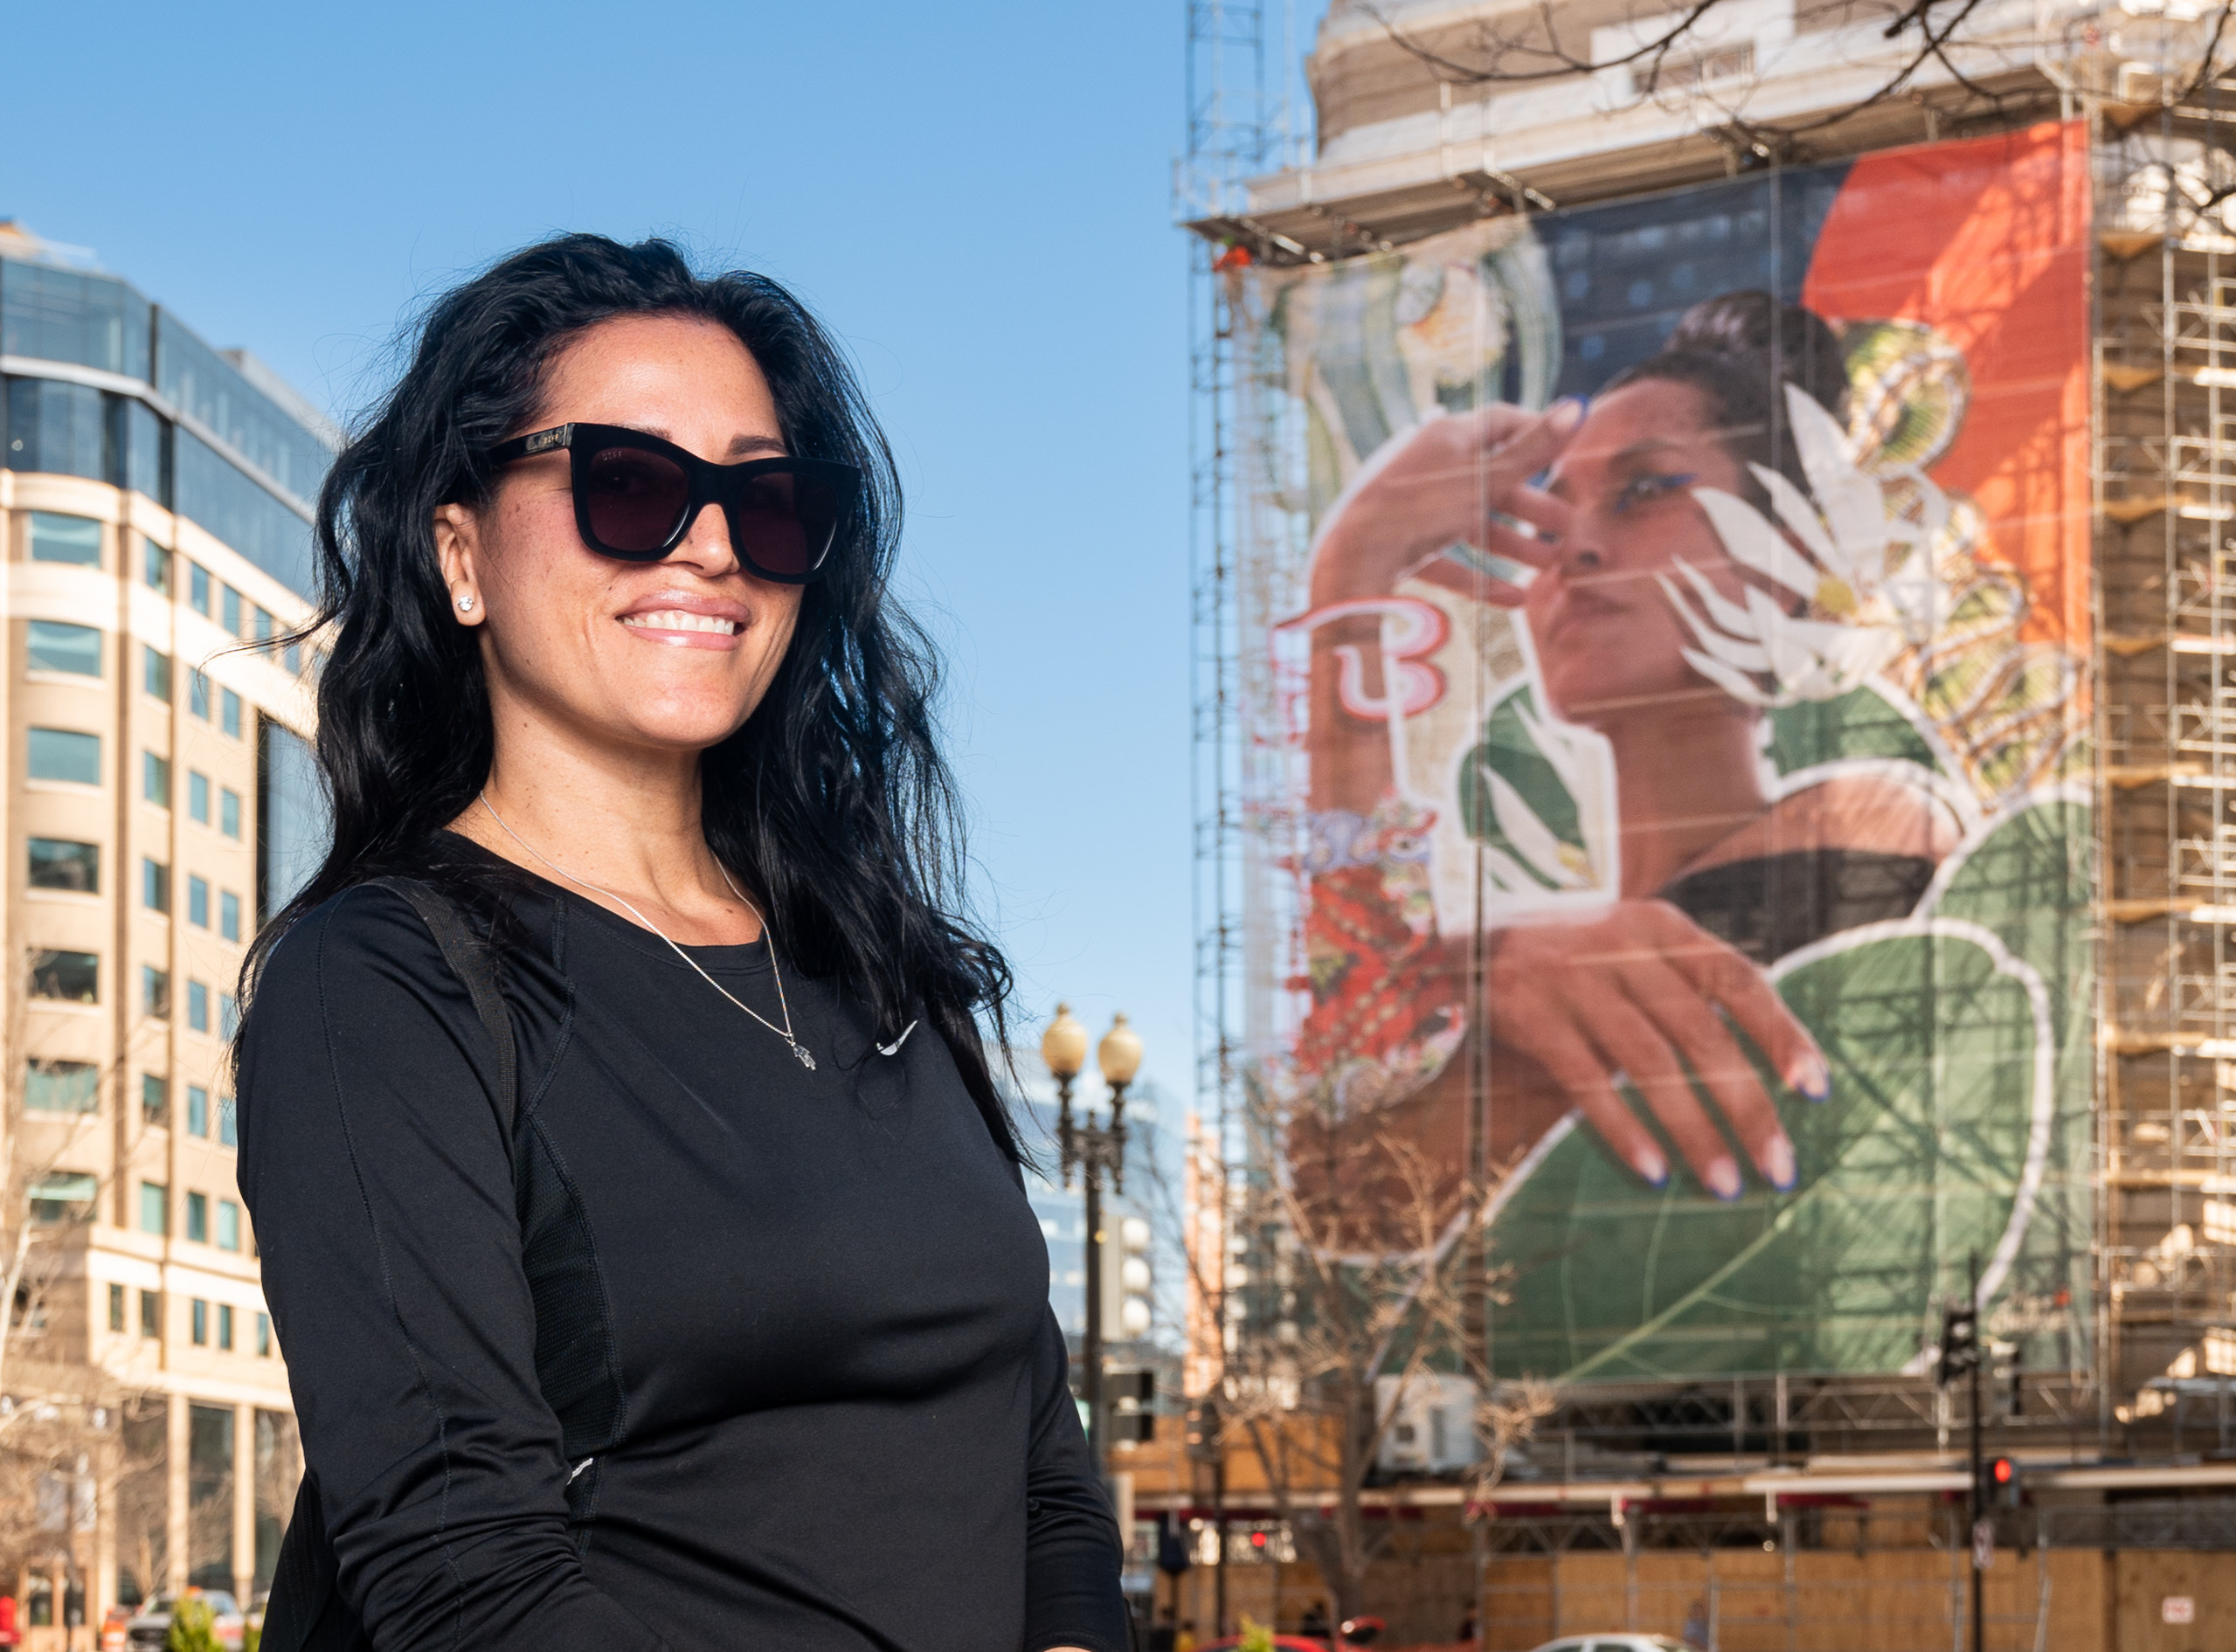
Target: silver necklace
{"type": "Point", "coordinates": [784, 1032]}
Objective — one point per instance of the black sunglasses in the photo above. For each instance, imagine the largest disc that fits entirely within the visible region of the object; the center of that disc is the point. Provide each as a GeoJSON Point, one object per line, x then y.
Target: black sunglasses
{"type": "Point", "coordinates": [636, 496]}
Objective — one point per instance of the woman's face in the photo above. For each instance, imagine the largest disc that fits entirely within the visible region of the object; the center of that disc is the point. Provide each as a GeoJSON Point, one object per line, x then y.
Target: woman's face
{"type": "Point", "coordinates": [674, 654]}
{"type": "Point", "coordinates": [1608, 642]}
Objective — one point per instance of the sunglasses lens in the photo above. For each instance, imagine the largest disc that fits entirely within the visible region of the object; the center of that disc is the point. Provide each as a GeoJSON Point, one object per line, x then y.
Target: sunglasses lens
{"type": "Point", "coordinates": [784, 524]}
{"type": "Point", "coordinates": [634, 498]}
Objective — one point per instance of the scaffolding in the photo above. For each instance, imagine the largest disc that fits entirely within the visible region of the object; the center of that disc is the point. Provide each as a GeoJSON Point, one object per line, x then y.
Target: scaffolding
{"type": "Point", "coordinates": [1241, 118]}
{"type": "Point", "coordinates": [2165, 559]}
{"type": "Point", "coordinates": [2161, 1371]}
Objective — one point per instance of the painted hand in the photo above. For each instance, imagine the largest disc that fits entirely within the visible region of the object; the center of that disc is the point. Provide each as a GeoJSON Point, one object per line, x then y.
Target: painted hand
{"type": "Point", "coordinates": [1643, 992]}
{"type": "Point", "coordinates": [1461, 479]}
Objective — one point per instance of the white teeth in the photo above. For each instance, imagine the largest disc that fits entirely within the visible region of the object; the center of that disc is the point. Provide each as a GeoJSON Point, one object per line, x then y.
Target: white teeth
{"type": "Point", "coordinates": [676, 619]}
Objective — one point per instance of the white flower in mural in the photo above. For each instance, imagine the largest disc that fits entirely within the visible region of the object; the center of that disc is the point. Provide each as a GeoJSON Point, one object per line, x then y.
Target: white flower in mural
{"type": "Point", "coordinates": [1867, 577]}
{"type": "Point", "coordinates": [1524, 852]}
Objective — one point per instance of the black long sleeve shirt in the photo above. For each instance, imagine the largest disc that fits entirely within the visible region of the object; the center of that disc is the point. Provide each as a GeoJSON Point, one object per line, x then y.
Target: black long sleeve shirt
{"type": "Point", "coordinates": [843, 1415]}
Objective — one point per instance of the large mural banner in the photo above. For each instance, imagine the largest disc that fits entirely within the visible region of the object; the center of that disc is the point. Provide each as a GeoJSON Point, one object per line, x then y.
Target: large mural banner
{"type": "Point", "coordinates": [1668, 743]}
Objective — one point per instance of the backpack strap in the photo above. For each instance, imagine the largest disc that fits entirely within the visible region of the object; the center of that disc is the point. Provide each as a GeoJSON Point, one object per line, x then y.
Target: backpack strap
{"type": "Point", "coordinates": [470, 959]}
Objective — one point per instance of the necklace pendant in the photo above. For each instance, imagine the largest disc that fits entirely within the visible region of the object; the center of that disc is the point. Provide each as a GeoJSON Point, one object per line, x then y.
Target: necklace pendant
{"type": "Point", "coordinates": [806, 1059]}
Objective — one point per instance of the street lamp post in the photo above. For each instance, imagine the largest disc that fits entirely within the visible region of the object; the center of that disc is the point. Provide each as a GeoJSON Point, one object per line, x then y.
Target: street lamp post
{"type": "Point", "coordinates": [1092, 1149]}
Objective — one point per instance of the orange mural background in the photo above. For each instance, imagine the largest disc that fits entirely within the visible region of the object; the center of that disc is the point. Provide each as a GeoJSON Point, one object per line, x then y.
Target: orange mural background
{"type": "Point", "coordinates": [1986, 240]}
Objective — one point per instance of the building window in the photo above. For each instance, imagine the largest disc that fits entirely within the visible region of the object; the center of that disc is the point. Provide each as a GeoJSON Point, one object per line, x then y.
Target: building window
{"type": "Point", "coordinates": [291, 656]}
{"type": "Point", "coordinates": [198, 796]}
{"type": "Point", "coordinates": [229, 609]}
{"type": "Point", "coordinates": [155, 1208]}
{"type": "Point", "coordinates": [155, 886]}
{"type": "Point", "coordinates": [229, 709]}
{"type": "Point", "coordinates": [228, 1225]}
{"type": "Point", "coordinates": [155, 673]}
{"type": "Point", "coordinates": [294, 828]}
{"type": "Point", "coordinates": [73, 539]}
{"type": "Point", "coordinates": [141, 461]}
{"type": "Point", "coordinates": [157, 567]}
{"type": "Point", "coordinates": [228, 1123]}
{"type": "Point", "coordinates": [201, 1317]}
{"type": "Point", "coordinates": [54, 426]}
{"type": "Point", "coordinates": [229, 915]}
{"type": "Point", "coordinates": [57, 863]}
{"type": "Point", "coordinates": [228, 1015]}
{"type": "Point", "coordinates": [197, 1218]}
{"type": "Point", "coordinates": [229, 811]}
{"type": "Point", "coordinates": [61, 1087]}
{"type": "Point", "coordinates": [197, 902]}
{"type": "Point", "coordinates": [62, 754]}
{"type": "Point", "coordinates": [154, 992]}
{"type": "Point", "coordinates": [198, 589]}
{"type": "Point", "coordinates": [151, 1313]}
{"type": "Point", "coordinates": [116, 1308]}
{"type": "Point", "coordinates": [198, 1007]}
{"type": "Point", "coordinates": [263, 1336]}
{"type": "Point", "coordinates": [74, 978]}
{"type": "Point", "coordinates": [62, 1196]}
{"type": "Point", "coordinates": [154, 1099]}
{"type": "Point", "coordinates": [154, 779]}
{"type": "Point", "coordinates": [197, 1110]}
{"type": "Point", "coordinates": [73, 650]}
{"type": "Point", "coordinates": [224, 1328]}
{"type": "Point", "coordinates": [198, 692]}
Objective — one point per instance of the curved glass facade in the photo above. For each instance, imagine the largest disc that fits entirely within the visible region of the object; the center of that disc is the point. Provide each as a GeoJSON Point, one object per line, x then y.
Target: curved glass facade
{"type": "Point", "coordinates": [251, 484]}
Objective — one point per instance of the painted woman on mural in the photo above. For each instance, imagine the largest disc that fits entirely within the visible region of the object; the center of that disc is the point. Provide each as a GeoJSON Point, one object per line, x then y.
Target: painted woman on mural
{"type": "Point", "coordinates": [1693, 775]}
{"type": "Point", "coordinates": [1662, 606]}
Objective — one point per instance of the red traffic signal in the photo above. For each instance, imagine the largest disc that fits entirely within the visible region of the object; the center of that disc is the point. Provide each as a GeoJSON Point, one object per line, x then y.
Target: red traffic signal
{"type": "Point", "coordinates": [2003, 1471]}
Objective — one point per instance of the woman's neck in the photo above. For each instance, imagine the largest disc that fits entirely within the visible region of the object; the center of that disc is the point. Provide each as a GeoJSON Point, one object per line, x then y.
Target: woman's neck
{"type": "Point", "coordinates": [1684, 780]}
{"type": "Point", "coordinates": [623, 822]}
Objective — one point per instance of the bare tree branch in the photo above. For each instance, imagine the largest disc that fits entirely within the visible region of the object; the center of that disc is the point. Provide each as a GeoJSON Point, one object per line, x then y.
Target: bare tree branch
{"type": "Point", "coordinates": [1502, 45]}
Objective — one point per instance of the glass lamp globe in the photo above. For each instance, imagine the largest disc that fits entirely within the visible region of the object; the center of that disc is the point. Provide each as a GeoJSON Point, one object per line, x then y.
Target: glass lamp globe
{"type": "Point", "coordinates": [1064, 1047]}
{"type": "Point", "coordinates": [1119, 1056]}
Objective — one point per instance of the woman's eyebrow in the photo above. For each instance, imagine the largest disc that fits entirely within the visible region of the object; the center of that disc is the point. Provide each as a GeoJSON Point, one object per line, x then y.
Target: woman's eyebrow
{"type": "Point", "coordinates": [756, 445]}
{"type": "Point", "coordinates": [1643, 448]}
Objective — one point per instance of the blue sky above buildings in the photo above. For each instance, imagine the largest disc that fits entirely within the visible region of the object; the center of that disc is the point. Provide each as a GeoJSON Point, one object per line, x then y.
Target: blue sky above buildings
{"type": "Point", "coordinates": [976, 199]}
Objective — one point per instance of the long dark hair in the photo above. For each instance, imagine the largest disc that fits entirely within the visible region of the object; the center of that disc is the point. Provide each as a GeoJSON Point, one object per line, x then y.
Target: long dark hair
{"type": "Point", "coordinates": [832, 800]}
{"type": "Point", "coordinates": [1740, 351]}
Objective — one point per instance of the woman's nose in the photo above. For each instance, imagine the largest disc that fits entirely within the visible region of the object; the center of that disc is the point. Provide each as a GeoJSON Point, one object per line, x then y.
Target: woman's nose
{"type": "Point", "coordinates": [706, 546]}
{"type": "Point", "coordinates": [1583, 549]}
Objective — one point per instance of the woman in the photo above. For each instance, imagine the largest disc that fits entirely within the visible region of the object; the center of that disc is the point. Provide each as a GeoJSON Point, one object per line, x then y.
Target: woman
{"type": "Point", "coordinates": [1718, 877]}
{"type": "Point", "coordinates": [675, 763]}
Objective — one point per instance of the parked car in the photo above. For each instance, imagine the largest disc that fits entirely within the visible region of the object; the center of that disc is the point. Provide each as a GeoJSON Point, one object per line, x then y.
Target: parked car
{"type": "Point", "coordinates": [152, 1627]}
{"type": "Point", "coordinates": [1614, 1643]}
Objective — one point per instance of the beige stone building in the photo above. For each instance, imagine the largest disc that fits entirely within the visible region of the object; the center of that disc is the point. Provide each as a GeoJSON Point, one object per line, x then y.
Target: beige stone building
{"type": "Point", "coordinates": [154, 512]}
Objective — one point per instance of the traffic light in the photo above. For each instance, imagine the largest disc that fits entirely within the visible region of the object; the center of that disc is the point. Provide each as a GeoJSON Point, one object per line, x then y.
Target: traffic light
{"type": "Point", "coordinates": [1203, 1430]}
{"type": "Point", "coordinates": [1960, 1341]}
{"type": "Point", "coordinates": [2006, 1378]}
{"type": "Point", "coordinates": [1126, 1281]}
{"type": "Point", "coordinates": [1130, 1390]}
{"type": "Point", "coordinates": [1999, 1482]}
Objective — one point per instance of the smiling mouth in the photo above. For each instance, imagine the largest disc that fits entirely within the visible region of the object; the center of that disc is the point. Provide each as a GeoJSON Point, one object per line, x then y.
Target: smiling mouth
{"type": "Point", "coordinates": [676, 619]}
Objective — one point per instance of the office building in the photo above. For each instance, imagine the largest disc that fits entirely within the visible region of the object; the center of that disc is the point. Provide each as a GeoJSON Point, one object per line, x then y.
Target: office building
{"type": "Point", "coordinates": [159, 803]}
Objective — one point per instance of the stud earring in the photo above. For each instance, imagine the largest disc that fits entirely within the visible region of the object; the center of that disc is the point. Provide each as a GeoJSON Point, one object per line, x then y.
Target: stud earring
{"type": "Point", "coordinates": [466, 604]}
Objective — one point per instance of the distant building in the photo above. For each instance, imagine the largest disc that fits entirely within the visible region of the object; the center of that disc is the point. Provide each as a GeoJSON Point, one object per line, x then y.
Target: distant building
{"type": "Point", "coordinates": [161, 802]}
{"type": "Point", "coordinates": [1063, 1210]}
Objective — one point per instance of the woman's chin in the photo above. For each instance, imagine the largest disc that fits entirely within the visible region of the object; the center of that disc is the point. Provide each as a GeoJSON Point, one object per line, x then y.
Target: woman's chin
{"type": "Point", "coordinates": [688, 724]}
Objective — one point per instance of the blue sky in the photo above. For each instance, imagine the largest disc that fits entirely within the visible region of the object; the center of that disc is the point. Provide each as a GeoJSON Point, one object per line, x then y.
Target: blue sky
{"type": "Point", "coordinates": [975, 197]}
